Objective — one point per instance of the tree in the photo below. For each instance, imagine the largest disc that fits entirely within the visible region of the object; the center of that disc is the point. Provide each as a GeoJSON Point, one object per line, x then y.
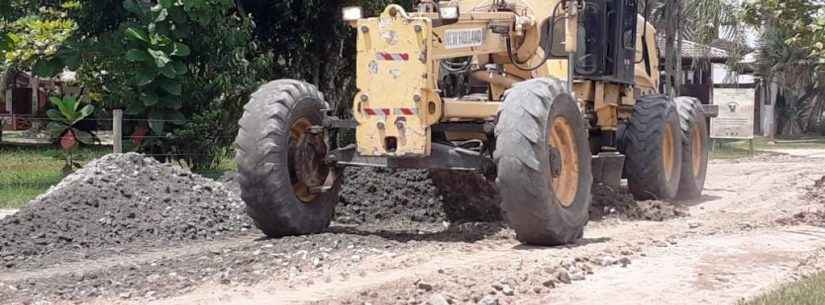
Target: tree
{"type": "Point", "coordinates": [700, 21]}
{"type": "Point", "coordinates": [792, 54]}
{"type": "Point", "coordinates": [170, 63]}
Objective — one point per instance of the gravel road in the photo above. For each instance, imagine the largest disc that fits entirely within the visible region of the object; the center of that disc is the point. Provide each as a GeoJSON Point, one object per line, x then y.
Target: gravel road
{"type": "Point", "coordinates": [759, 224]}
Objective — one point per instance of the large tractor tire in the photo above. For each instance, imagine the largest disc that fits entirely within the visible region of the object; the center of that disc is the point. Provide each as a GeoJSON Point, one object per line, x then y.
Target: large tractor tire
{"type": "Point", "coordinates": [694, 129]}
{"type": "Point", "coordinates": [280, 155]}
{"type": "Point", "coordinates": [543, 158]}
{"type": "Point", "coordinates": [467, 196]}
{"type": "Point", "coordinates": [652, 144]}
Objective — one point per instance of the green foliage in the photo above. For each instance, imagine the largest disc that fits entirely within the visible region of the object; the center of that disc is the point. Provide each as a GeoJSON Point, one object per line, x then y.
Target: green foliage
{"type": "Point", "coordinates": [792, 54]}
{"type": "Point", "coordinates": [35, 38]}
{"type": "Point", "coordinates": [67, 114]}
{"type": "Point", "coordinates": [803, 20]}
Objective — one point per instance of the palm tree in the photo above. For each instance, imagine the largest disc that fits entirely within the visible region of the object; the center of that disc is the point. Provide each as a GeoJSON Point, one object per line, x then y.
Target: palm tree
{"type": "Point", "coordinates": [700, 21]}
{"type": "Point", "coordinates": [803, 96]}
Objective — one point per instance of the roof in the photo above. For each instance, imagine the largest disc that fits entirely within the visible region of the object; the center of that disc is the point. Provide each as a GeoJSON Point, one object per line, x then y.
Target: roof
{"type": "Point", "coordinates": [692, 49]}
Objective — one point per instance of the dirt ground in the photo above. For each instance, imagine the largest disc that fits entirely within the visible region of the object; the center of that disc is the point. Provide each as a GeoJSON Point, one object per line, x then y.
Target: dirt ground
{"type": "Point", "coordinates": [757, 226]}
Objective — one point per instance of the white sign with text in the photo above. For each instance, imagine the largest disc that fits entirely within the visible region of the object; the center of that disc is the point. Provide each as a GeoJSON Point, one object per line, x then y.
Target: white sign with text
{"type": "Point", "coordinates": [736, 116]}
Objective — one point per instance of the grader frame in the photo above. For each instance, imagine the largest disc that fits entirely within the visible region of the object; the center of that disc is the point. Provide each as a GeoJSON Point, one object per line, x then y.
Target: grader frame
{"type": "Point", "coordinates": [394, 127]}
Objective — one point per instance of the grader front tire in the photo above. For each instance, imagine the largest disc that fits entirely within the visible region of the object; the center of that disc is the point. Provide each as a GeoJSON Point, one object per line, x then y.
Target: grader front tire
{"type": "Point", "coordinates": [543, 160]}
{"type": "Point", "coordinates": [277, 199]}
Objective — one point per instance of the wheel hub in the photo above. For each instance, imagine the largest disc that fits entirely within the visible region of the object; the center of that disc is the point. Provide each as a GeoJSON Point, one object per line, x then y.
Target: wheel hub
{"type": "Point", "coordinates": [697, 150]}
{"type": "Point", "coordinates": [307, 169]}
{"type": "Point", "coordinates": [668, 152]}
{"type": "Point", "coordinates": [564, 157]}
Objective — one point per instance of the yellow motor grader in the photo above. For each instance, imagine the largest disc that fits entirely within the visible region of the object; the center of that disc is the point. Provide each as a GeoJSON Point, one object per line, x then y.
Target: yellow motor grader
{"type": "Point", "coordinates": [538, 97]}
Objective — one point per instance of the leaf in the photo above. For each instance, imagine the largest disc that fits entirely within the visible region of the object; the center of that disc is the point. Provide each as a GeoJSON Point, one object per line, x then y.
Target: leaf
{"type": "Point", "coordinates": [173, 87]}
{"type": "Point", "coordinates": [162, 14]}
{"type": "Point", "coordinates": [83, 136]}
{"type": "Point", "coordinates": [137, 34]}
{"type": "Point", "coordinates": [135, 55]}
{"type": "Point", "coordinates": [161, 59]}
{"type": "Point", "coordinates": [176, 117]}
{"type": "Point", "coordinates": [67, 107]}
{"type": "Point", "coordinates": [156, 122]}
{"type": "Point", "coordinates": [171, 102]}
{"type": "Point", "coordinates": [180, 68]}
{"type": "Point", "coordinates": [135, 108]}
{"type": "Point", "coordinates": [56, 116]}
{"type": "Point", "coordinates": [169, 71]}
{"type": "Point", "coordinates": [149, 99]}
{"type": "Point", "coordinates": [47, 68]}
{"type": "Point", "coordinates": [132, 7]}
{"type": "Point", "coordinates": [181, 50]}
{"type": "Point", "coordinates": [71, 58]}
{"type": "Point", "coordinates": [144, 76]}
{"type": "Point", "coordinates": [167, 3]}
{"type": "Point", "coordinates": [86, 111]}
{"type": "Point", "coordinates": [55, 100]}
{"type": "Point", "coordinates": [5, 42]}
{"type": "Point", "coordinates": [56, 129]}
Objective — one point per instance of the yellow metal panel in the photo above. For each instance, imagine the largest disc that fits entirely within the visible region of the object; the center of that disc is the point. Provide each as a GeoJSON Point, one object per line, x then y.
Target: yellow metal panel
{"type": "Point", "coordinates": [647, 83]}
{"type": "Point", "coordinates": [394, 89]}
{"type": "Point", "coordinates": [457, 109]}
{"type": "Point", "coordinates": [558, 68]}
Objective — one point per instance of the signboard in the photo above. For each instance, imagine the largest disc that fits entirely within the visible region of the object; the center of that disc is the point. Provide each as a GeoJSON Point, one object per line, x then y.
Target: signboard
{"type": "Point", "coordinates": [736, 116]}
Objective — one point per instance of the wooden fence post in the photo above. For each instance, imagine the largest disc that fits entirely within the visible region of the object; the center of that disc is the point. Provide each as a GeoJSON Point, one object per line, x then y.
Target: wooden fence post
{"type": "Point", "coordinates": [117, 130]}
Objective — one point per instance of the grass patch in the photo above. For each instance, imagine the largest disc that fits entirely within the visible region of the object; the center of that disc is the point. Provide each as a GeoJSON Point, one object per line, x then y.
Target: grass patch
{"type": "Point", "coordinates": [28, 171]}
{"type": "Point", "coordinates": [810, 291]}
{"type": "Point", "coordinates": [735, 149]}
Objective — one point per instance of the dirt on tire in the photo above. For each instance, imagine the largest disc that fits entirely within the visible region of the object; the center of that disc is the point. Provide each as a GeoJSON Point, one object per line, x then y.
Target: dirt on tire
{"type": "Point", "coordinates": [118, 200]}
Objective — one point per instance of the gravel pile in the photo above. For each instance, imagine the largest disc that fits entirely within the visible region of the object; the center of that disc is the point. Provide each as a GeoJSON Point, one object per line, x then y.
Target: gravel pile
{"type": "Point", "coordinates": [378, 195]}
{"type": "Point", "coordinates": [609, 202]}
{"type": "Point", "coordinates": [117, 200]}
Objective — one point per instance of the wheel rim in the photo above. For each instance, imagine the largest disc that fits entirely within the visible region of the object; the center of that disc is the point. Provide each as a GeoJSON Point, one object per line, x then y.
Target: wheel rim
{"type": "Point", "coordinates": [298, 131]}
{"type": "Point", "coordinates": [566, 184]}
{"type": "Point", "coordinates": [668, 152]}
{"type": "Point", "coordinates": [697, 150]}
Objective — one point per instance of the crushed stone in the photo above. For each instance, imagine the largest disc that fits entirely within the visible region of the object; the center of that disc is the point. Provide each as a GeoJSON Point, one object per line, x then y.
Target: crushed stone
{"type": "Point", "coordinates": [380, 196]}
{"type": "Point", "coordinates": [619, 203]}
{"type": "Point", "coordinates": [117, 200]}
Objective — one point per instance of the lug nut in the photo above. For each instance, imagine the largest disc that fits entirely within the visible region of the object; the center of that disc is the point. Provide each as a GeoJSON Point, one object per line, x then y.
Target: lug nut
{"type": "Point", "coordinates": [418, 28]}
{"type": "Point", "coordinates": [364, 98]}
{"type": "Point", "coordinates": [380, 125]}
{"type": "Point", "coordinates": [365, 29]}
{"type": "Point", "coordinates": [417, 98]}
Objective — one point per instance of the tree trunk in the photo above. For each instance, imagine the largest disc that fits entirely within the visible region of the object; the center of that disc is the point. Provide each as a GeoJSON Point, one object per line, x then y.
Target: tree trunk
{"type": "Point", "coordinates": [672, 58]}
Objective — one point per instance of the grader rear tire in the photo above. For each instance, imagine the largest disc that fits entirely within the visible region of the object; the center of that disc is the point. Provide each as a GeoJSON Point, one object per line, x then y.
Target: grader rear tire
{"type": "Point", "coordinates": [694, 147]}
{"type": "Point", "coordinates": [277, 118]}
{"type": "Point", "coordinates": [543, 158]}
{"type": "Point", "coordinates": [467, 196]}
{"type": "Point", "coordinates": [652, 144]}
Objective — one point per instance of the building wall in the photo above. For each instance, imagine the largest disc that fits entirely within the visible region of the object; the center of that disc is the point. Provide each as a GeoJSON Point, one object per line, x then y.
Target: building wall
{"type": "Point", "coordinates": [723, 76]}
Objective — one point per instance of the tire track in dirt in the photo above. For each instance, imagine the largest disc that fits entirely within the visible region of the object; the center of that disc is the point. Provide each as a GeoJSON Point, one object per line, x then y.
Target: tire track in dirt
{"type": "Point", "coordinates": [713, 270]}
